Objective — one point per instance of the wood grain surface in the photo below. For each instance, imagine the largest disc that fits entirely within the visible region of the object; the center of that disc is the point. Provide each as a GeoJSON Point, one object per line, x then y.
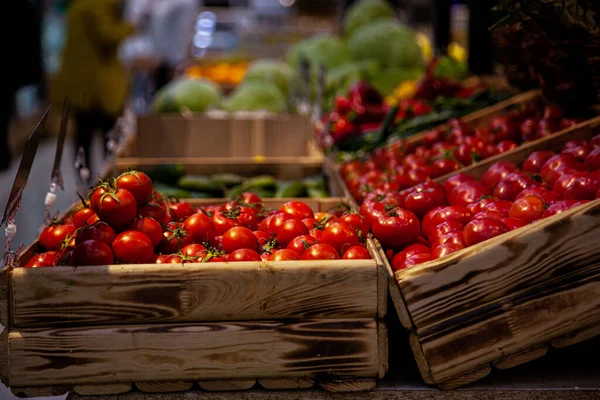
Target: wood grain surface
{"type": "Point", "coordinates": [284, 384]}
{"type": "Point", "coordinates": [349, 386]}
{"type": "Point", "coordinates": [576, 336]}
{"type": "Point", "coordinates": [227, 385]}
{"type": "Point", "coordinates": [210, 351]}
{"type": "Point", "coordinates": [522, 357]}
{"type": "Point", "coordinates": [467, 378]}
{"type": "Point", "coordinates": [4, 296]}
{"type": "Point", "coordinates": [194, 292]}
{"type": "Point", "coordinates": [164, 386]}
{"type": "Point", "coordinates": [111, 388]}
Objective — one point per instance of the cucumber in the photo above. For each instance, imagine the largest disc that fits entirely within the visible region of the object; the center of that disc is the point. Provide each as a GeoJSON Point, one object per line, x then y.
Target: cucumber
{"type": "Point", "coordinates": [291, 189]}
{"type": "Point", "coordinates": [200, 183]}
{"type": "Point", "coordinates": [315, 182]}
{"type": "Point", "coordinates": [316, 193]}
{"type": "Point", "coordinates": [236, 192]}
{"type": "Point", "coordinates": [166, 191]}
{"type": "Point", "coordinates": [227, 180]}
{"type": "Point", "coordinates": [168, 174]}
{"type": "Point", "coordinates": [264, 182]}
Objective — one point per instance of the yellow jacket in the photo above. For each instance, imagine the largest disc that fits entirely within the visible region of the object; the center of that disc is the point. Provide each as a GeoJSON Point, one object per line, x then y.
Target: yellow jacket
{"type": "Point", "coordinates": [91, 76]}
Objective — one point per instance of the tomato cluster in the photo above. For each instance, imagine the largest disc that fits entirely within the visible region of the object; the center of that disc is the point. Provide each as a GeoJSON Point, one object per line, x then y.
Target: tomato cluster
{"type": "Point", "coordinates": [432, 220]}
{"type": "Point", "coordinates": [127, 222]}
{"type": "Point", "coordinates": [447, 148]}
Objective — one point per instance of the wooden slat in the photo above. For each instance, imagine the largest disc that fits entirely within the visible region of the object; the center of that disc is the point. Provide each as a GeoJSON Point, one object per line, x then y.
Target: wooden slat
{"type": "Point", "coordinates": [576, 336]}
{"type": "Point", "coordinates": [341, 386]}
{"type": "Point", "coordinates": [522, 357]}
{"type": "Point", "coordinates": [383, 346]}
{"type": "Point", "coordinates": [556, 141]}
{"type": "Point", "coordinates": [164, 386]}
{"type": "Point", "coordinates": [467, 378]}
{"type": "Point", "coordinates": [210, 351]}
{"type": "Point", "coordinates": [442, 291]}
{"type": "Point", "coordinates": [4, 296]}
{"type": "Point", "coordinates": [40, 391]}
{"type": "Point", "coordinates": [194, 292]}
{"type": "Point", "coordinates": [421, 359]}
{"type": "Point", "coordinates": [104, 389]}
{"type": "Point", "coordinates": [286, 384]}
{"type": "Point", "coordinates": [227, 385]}
{"type": "Point", "coordinates": [4, 358]}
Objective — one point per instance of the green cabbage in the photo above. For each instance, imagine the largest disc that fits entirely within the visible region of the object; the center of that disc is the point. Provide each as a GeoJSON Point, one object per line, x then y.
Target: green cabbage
{"type": "Point", "coordinates": [256, 96]}
{"type": "Point", "coordinates": [365, 12]}
{"type": "Point", "coordinates": [451, 69]}
{"type": "Point", "coordinates": [197, 95]}
{"type": "Point", "coordinates": [390, 44]}
{"type": "Point", "coordinates": [273, 71]}
{"type": "Point", "coordinates": [329, 50]}
{"type": "Point", "coordinates": [386, 80]}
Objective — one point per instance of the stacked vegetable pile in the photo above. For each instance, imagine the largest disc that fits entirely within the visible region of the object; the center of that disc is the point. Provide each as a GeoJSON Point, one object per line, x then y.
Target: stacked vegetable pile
{"type": "Point", "coordinates": [447, 148]}
{"type": "Point", "coordinates": [430, 220]}
{"type": "Point", "coordinates": [173, 180]}
{"type": "Point", "coordinates": [128, 222]}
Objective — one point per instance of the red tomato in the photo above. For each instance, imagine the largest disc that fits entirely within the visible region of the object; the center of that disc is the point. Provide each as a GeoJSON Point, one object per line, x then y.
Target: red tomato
{"type": "Point", "coordinates": [456, 180]}
{"type": "Point", "coordinates": [96, 193]}
{"type": "Point", "coordinates": [546, 195]}
{"type": "Point", "coordinates": [264, 224]}
{"type": "Point", "coordinates": [132, 247]}
{"type": "Point", "coordinates": [297, 210]}
{"type": "Point", "coordinates": [466, 154]}
{"type": "Point", "coordinates": [455, 237]}
{"type": "Point", "coordinates": [194, 250]}
{"type": "Point", "coordinates": [411, 261]}
{"type": "Point", "coordinates": [277, 222]}
{"type": "Point", "coordinates": [553, 163]}
{"type": "Point", "coordinates": [81, 215]}
{"type": "Point", "coordinates": [528, 209]}
{"type": "Point", "coordinates": [499, 206]}
{"type": "Point", "coordinates": [320, 252]}
{"type": "Point", "coordinates": [153, 211]}
{"type": "Point", "coordinates": [181, 211]}
{"type": "Point", "coordinates": [263, 237]}
{"type": "Point", "coordinates": [239, 237]}
{"type": "Point", "coordinates": [503, 128]}
{"type": "Point", "coordinates": [309, 223]}
{"type": "Point", "coordinates": [483, 229]}
{"type": "Point", "coordinates": [175, 238]}
{"type": "Point", "coordinates": [487, 214]}
{"type": "Point", "coordinates": [584, 187]}
{"type": "Point", "coordinates": [513, 223]}
{"type": "Point", "coordinates": [426, 221]}
{"type": "Point", "coordinates": [340, 236]}
{"type": "Point", "coordinates": [529, 128]}
{"type": "Point", "coordinates": [47, 259]}
{"type": "Point", "coordinates": [117, 208]}
{"type": "Point", "coordinates": [420, 201]}
{"type": "Point", "coordinates": [169, 259]}
{"type": "Point", "coordinates": [138, 184]}
{"type": "Point", "coordinates": [579, 152]}
{"type": "Point", "coordinates": [291, 229]}
{"type": "Point", "coordinates": [397, 228]}
{"type": "Point", "coordinates": [243, 255]}
{"type": "Point", "coordinates": [252, 200]}
{"type": "Point", "coordinates": [92, 220]}
{"type": "Point", "coordinates": [443, 228]}
{"type": "Point", "coordinates": [478, 206]}
{"type": "Point", "coordinates": [565, 180]}
{"type": "Point", "coordinates": [592, 160]}
{"type": "Point", "coordinates": [324, 219]}
{"type": "Point", "coordinates": [561, 206]}
{"type": "Point", "coordinates": [512, 185]}
{"type": "Point", "coordinates": [357, 221]}
{"type": "Point", "coordinates": [416, 176]}
{"type": "Point", "coordinates": [451, 213]}
{"type": "Point", "coordinates": [201, 227]}
{"type": "Point", "coordinates": [301, 243]}
{"type": "Point", "coordinates": [356, 253]}
{"type": "Point", "coordinates": [224, 220]}
{"type": "Point", "coordinates": [408, 252]}
{"type": "Point", "coordinates": [444, 250]}
{"type": "Point", "coordinates": [149, 227]}
{"type": "Point", "coordinates": [467, 193]}
{"type": "Point", "coordinates": [536, 160]}
{"type": "Point", "coordinates": [443, 167]}
{"type": "Point", "coordinates": [92, 252]}
{"type": "Point", "coordinates": [99, 231]}
{"type": "Point", "coordinates": [53, 236]}
{"type": "Point", "coordinates": [284, 255]}
{"type": "Point", "coordinates": [317, 234]}
{"type": "Point", "coordinates": [247, 217]}
{"type": "Point", "coordinates": [497, 172]}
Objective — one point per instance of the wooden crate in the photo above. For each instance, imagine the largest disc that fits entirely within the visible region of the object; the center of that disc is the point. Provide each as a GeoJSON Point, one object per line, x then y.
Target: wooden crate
{"type": "Point", "coordinates": [176, 135]}
{"type": "Point", "coordinates": [223, 326]}
{"type": "Point", "coordinates": [505, 301]}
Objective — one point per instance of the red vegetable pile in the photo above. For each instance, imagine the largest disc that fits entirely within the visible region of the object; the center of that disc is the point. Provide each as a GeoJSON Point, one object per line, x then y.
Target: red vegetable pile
{"type": "Point", "coordinates": [127, 222]}
{"type": "Point", "coordinates": [448, 148]}
{"type": "Point", "coordinates": [430, 220]}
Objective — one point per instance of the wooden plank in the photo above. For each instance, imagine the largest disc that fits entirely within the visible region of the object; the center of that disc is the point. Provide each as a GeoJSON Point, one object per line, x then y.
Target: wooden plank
{"type": "Point", "coordinates": [103, 389]}
{"type": "Point", "coordinates": [556, 141]}
{"type": "Point", "coordinates": [341, 386]}
{"type": "Point", "coordinates": [164, 386]}
{"type": "Point", "coordinates": [40, 391]}
{"type": "Point", "coordinates": [194, 292]}
{"type": "Point", "coordinates": [209, 351]}
{"type": "Point", "coordinates": [4, 358]}
{"type": "Point", "coordinates": [576, 336]}
{"type": "Point", "coordinates": [536, 316]}
{"type": "Point", "coordinates": [286, 384]}
{"type": "Point", "coordinates": [506, 265]}
{"type": "Point", "coordinates": [521, 357]}
{"type": "Point", "coordinates": [467, 378]}
{"type": "Point", "coordinates": [4, 296]}
{"type": "Point", "coordinates": [383, 348]}
{"type": "Point", "coordinates": [382, 281]}
{"type": "Point", "coordinates": [227, 385]}
{"type": "Point", "coordinates": [421, 359]}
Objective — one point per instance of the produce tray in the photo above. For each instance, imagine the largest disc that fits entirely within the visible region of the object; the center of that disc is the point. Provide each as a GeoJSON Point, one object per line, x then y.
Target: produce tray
{"type": "Point", "coordinates": [177, 135]}
{"type": "Point", "coordinates": [505, 301]}
{"type": "Point", "coordinates": [102, 330]}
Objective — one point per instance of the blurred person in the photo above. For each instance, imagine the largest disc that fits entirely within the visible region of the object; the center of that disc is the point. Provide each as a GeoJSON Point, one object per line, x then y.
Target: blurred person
{"type": "Point", "coordinates": [23, 64]}
{"type": "Point", "coordinates": [91, 75]}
